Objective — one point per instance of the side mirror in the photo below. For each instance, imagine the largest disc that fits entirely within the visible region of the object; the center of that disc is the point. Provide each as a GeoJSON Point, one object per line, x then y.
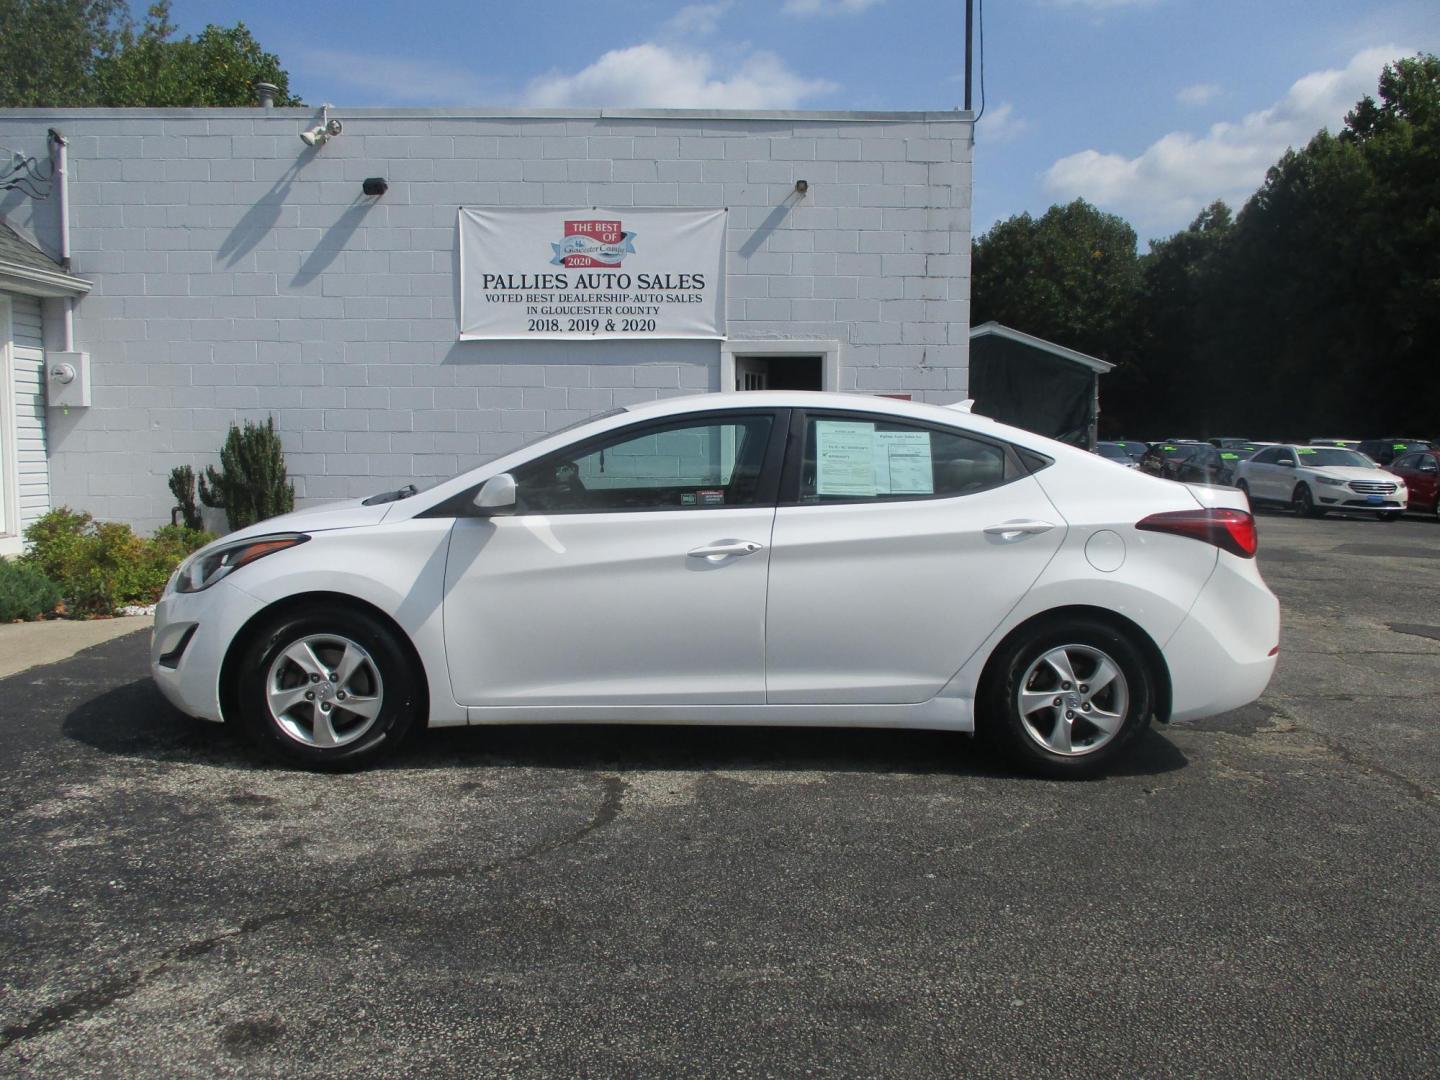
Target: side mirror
{"type": "Point", "coordinates": [496, 496]}
{"type": "Point", "coordinates": [1287, 463]}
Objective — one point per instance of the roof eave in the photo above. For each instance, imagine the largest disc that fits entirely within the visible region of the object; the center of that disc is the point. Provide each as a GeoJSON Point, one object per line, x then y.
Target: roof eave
{"type": "Point", "coordinates": [1094, 363]}
{"type": "Point", "coordinates": [33, 281]}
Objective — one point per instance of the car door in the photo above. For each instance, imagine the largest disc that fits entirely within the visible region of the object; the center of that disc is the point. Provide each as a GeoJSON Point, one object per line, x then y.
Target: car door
{"type": "Point", "coordinates": [1420, 474]}
{"type": "Point", "coordinates": [1268, 478]}
{"type": "Point", "coordinates": [898, 547]}
{"type": "Point", "coordinates": [632, 570]}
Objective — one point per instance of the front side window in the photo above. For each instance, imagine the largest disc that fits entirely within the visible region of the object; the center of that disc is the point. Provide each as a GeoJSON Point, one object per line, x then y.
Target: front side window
{"type": "Point", "coordinates": [686, 465]}
{"type": "Point", "coordinates": [848, 459]}
{"type": "Point", "coordinates": [1268, 457]}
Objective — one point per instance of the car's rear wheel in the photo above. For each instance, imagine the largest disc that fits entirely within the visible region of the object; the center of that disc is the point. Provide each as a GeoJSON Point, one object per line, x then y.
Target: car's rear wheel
{"type": "Point", "coordinates": [327, 688]}
{"type": "Point", "coordinates": [1065, 698]}
{"type": "Point", "coordinates": [1244, 489]}
{"type": "Point", "coordinates": [1304, 502]}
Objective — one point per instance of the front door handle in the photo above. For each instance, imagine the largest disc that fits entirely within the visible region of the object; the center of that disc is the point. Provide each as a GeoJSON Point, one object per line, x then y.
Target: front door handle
{"type": "Point", "coordinates": [1011, 529]}
{"type": "Point", "coordinates": [723, 548]}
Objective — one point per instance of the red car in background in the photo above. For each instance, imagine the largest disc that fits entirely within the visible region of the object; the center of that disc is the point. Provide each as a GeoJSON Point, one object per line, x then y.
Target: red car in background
{"type": "Point", "coordinates": [1420, 470]}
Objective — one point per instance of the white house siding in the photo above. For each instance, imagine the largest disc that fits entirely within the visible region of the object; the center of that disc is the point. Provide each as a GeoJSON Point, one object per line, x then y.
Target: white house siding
{"type": "Point", "coordinates": [237, 274]}
{"type": "Point", "coordinates": [28, 396]}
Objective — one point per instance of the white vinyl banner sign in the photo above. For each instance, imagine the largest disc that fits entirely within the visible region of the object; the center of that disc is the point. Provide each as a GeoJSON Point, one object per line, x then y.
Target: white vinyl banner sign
{"type": "Point", "coordinates": [545, 273]}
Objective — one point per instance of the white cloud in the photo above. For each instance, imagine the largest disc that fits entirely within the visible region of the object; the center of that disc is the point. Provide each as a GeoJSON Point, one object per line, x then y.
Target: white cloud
{"type": "Point", "coordinates": [827, 7]}
{"type": "Point", "coordinates": [650, 75]}
{"type": "Point", "coordinates": [363, 78]}
{"type": "Point", "coordinates": [1197, 93]}
{"type": "Point", "coordinates": [697, 20]}
{"type": "Point", "coordinates": [1180, 173]}
{"type": "Point", "coordinates": [1000, 124]}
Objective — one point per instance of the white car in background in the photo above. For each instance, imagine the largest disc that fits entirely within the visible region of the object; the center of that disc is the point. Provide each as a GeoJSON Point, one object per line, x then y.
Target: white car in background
{"type": "Point", "coordinates": [757, 558]}
{"type": "Point", "coordinates": [1316, 479]}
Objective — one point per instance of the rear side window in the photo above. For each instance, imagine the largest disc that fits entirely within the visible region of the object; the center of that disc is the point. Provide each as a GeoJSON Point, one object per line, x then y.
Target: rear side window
{"type": "Point", "coordinates": [850, 459]}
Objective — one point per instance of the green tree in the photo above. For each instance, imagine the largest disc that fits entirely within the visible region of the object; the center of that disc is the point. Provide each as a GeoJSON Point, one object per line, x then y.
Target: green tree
{"type": "Point", "coordinates": [49, 49]}
{"type": "Point", "coordinates": [1071, 276]}
{"type": "Point", "coordinates": [90, 52]}
{"type": "Point", "coordinates": [153, 68]}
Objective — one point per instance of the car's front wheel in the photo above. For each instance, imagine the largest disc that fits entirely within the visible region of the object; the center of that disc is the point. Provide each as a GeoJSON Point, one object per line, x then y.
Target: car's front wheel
{"type": "Point", "coordinates": [1304, 502]}
{"type": "Point", "coordinates": [1065, 698]}
{"type": "Point", "coordinates": [327, 688]}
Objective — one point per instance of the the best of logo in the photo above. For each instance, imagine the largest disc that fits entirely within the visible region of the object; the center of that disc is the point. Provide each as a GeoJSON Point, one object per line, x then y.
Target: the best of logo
{"type": "Point", "coordinates": [593, 243]}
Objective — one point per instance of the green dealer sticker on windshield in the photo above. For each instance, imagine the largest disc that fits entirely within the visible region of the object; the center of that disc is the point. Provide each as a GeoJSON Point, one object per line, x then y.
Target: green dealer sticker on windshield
{"type": "Point", "coordinates": [1305, 450]}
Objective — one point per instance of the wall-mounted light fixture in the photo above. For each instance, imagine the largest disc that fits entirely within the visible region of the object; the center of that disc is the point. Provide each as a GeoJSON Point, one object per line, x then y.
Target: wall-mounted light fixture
{"type": "Point", "coordinates": [322, 132]}
{"type": "Point", "coordinates": [802, 186]}
{"type": "Point", "coordinates": [374, 185]}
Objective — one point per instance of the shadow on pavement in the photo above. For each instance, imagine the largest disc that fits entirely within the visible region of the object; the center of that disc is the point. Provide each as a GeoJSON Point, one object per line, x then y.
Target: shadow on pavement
{"type": "Point", "coordinates": [134, 720]}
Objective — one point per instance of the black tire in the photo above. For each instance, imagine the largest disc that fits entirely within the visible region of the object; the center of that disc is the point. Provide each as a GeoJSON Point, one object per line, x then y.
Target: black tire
{"type": "Point", "coordinates": [1304, 502]}
{"type": "Point", "coordinates": [1244, 489]}
{"type": "Point", "coordinates": [384, 678]}
{"type": "Point", "coordinates": [1436, 508]}
{"type": "Point", "coordinates": [1022, 658]}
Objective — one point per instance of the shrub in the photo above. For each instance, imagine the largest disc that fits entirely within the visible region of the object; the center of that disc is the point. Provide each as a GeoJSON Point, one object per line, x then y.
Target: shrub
{"type": "Point", "coordinates": [100, 566]}
{"type": "Point", "coordinates": [182, 486]}
{"type": "Point", "coordinates": [251, 484]}
{"type": "Point", "coordinates": [25, 593]}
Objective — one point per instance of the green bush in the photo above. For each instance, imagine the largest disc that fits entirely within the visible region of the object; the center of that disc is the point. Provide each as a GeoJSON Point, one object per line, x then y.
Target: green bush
{"type": "Point", "coordinates": [251, 484]}
{"type": "Point", "coordinates": [25, 593]}
{"type": "Point", "coordinates": [100, 566]}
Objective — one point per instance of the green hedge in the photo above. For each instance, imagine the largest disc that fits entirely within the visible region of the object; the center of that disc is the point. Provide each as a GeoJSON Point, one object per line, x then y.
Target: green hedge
{"type": "Point", "coordinates": [101, 566]}
{"type": "Point", "coordinates": [25, 593]}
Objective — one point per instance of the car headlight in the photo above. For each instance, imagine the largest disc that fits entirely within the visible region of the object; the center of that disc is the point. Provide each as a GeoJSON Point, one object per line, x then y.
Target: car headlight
{"type": "Point", "coordinates": [1330, 481]}
{"type": "Point", "coordinates": [205, 568]}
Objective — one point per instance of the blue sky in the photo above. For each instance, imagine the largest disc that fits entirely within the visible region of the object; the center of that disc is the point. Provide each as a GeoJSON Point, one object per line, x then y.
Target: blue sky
{"type": "Point", "coordinates": [1148, 108]}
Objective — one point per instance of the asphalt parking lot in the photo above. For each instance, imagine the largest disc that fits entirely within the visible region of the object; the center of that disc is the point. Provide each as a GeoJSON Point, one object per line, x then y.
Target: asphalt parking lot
{"type": "Point", "coordinates": [1256, 894]}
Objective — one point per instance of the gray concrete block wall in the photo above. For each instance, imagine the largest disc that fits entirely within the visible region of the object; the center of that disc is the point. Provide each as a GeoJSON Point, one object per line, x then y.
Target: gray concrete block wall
{"type": "Point", "coordinates": [238, 274]}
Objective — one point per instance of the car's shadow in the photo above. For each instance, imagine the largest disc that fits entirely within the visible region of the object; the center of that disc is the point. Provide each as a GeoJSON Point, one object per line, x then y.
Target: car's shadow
{"type": "Point", "coordinates": [134, 720]}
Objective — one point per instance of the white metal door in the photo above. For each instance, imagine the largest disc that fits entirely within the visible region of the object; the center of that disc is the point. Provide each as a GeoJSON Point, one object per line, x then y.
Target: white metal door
{"type": "Point", "coordinates": [881, 603]}
{"type": "Point", "coordinates": [598, 609]}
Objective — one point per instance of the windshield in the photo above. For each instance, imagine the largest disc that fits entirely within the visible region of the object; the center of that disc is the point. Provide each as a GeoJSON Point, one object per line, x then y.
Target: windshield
{"type": "Point", "coordinates": [1324, 457]}
{"type": "Point", "coordinates": [1113, 452]}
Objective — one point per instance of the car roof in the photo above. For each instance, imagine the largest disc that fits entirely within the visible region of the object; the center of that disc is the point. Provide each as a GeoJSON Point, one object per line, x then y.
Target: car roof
{"type": "Point", "coordinates": [822, 399]}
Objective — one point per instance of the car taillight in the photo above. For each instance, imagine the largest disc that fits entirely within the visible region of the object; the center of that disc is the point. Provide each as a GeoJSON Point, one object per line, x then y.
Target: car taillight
{"type": "Point", "coordinates": [1229, 530]}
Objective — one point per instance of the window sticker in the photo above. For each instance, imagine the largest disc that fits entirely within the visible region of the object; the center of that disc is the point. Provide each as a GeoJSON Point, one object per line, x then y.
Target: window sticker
{"type": "Point", "coordinates": [687, 498]}
{"type": "Point", "coordinates": [714, 497]}
{"type": "Point", "coordinates": [844, 458]}
{"type": "Point", "coordinates": [903, 463]}
{"type": "Point", "coordinates": [1304, 450]}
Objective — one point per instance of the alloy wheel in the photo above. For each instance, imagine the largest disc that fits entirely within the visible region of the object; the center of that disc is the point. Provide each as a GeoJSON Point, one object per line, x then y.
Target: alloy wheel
{"type": "Point", "coordinates": [324, 691]}
{"type": "Point", "coordinates": [1073, 700]}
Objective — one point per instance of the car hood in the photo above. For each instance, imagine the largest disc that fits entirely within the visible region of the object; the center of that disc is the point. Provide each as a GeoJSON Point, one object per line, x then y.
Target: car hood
{"type": "Point", "coordinates": [350, 514]}
{"type": "Point", "coordinates": [1351, 472]}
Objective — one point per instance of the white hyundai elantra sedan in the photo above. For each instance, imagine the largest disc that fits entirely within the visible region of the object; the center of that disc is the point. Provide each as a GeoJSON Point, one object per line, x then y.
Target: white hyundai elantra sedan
{"type": "Point", "coordinates": [759, 558]}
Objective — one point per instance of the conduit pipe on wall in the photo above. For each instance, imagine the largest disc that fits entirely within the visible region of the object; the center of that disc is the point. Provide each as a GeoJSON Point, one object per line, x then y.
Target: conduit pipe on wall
{"type": "Point", "coordinates": [57, 157]}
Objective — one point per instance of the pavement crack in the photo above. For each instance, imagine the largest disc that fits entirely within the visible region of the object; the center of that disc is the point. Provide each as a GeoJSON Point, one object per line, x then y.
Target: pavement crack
{"type": "Point", "coordinates": [88, 1002]}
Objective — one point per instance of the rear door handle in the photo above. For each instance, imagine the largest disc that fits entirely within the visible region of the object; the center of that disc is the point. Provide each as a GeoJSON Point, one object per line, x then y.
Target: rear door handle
{"type": "Point", "coordinates": [1011, 529]}
{"type": "Point", "coordinates": [723, 548]}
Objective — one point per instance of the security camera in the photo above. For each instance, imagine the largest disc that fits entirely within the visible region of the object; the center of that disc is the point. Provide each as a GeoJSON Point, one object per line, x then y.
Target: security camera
{"type": "Point", "coordinates": [321, 133]}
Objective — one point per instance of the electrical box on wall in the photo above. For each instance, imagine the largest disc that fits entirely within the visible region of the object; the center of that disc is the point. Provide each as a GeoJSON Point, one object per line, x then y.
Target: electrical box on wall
{"type": "Point", "coordinates": [67, 379]}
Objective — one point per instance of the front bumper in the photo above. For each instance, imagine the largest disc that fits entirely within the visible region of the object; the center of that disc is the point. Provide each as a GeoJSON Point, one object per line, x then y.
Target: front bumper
{"type": "Point", "coordinates": [192, 634]}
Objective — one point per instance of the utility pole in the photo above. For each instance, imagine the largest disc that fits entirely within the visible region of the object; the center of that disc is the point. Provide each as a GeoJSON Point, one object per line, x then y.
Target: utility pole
{"type": "Point", "coordinates": [969, 24]}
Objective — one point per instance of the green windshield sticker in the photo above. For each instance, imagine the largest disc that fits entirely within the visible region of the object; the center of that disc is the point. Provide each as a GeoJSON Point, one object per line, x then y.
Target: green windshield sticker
{"type": "Point", "coordinates": [1168, 449]}
{"type": "Point", "coordinates": [1399, 446]}
{"type": "Point", "coordinates": [1231, 457]}
{"type": "Point", "coordinates": [1305, 450]}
